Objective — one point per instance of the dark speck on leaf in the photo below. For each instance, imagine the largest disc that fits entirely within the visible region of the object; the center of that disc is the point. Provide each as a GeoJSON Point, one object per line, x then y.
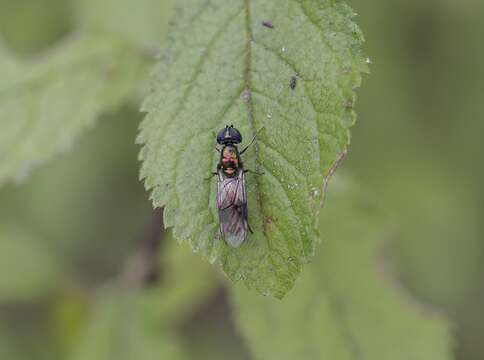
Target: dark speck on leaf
{"type": "Point", "coordinates": [268, 24]}
{"type": "Point", "coordinates": [293, 82]}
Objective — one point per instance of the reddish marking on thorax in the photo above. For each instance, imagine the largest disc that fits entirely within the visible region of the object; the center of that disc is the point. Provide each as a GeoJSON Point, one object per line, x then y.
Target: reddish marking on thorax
{"type": "Point", "coordinates": [226, 160]}
{"type": "Point", "coordinates": [230, 156]}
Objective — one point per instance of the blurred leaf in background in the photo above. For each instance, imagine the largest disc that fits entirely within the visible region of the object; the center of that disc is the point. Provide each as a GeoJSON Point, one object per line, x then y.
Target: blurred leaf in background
{"type": "Point", "coordinates": [29, 27]}
{"type": "Point", "coordinates": [29, 269]}
{"type": "Point", "coordinates": [46, 104]}
{"type": "Point", "coordinates": [120, 327]}
{"type": "Point", "coordinates": [417, 147]}
{"type": "Point", "coordinates": [342, 308]}
{"type": "Point", "coordinates": [49, 100]}
{"type": "Point", "coordinates": [127, 322]}
{"type": "Point", "coordinates": [142, 23]}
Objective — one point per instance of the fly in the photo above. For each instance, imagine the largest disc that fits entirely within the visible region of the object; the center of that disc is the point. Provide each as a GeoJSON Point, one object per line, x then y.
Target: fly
{"type": "Point", "coordinates": [231, 192]}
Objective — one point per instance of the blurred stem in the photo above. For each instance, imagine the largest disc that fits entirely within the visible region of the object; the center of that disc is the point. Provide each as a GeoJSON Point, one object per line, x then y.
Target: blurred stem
{"type": "Point", "coordinates": [143, 268]}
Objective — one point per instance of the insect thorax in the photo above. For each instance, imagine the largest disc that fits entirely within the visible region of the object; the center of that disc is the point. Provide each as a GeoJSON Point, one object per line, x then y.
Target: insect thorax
{"type": "Point", "coordinates": [230, 162]}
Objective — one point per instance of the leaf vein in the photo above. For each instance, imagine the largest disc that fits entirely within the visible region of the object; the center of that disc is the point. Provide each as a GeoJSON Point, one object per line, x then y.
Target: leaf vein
{"type": "Point", "coordinates": [279, 155]}
{"type": "Point", "coordinates": [317, 26]}
{"type": "Point", "coordinates": [285, 193]}
{"type": "Point", "coordinates": [191, 86]}
{"type": "Point", "coordinates": [248, 85]}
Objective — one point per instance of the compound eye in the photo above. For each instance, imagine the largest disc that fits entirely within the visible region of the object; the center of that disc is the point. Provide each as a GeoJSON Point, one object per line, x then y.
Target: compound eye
{"type": "Point", "coordinates": [221, 137]}
{"type": "Point", "coordinates": [229, 135]}
{"type": "Point", "coordinates": [235, 135]}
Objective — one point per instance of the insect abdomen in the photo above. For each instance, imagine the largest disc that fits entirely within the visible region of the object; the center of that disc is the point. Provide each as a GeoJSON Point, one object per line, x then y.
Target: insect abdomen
{"type": "Point", "coordinates": [232, 208]}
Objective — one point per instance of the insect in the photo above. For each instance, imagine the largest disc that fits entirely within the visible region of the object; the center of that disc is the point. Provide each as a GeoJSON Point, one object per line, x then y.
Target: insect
{"type": "Point", "coordinates": [293, 82]}
{"type": "Point", "coordinates": [231, 192]}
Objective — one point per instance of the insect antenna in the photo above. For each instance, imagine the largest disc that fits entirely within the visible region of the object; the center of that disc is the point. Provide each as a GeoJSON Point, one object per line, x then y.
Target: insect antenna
{"type": "Point", "coordinates": [252, 141]}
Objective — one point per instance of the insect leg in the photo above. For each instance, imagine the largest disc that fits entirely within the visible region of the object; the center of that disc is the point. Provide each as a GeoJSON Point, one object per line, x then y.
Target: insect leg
{"type": "Point", "coordinates": [214, 135]}
{"type": "Point", "coordinates": [252, 141]}
{"type": "Point", "coordinates": [250, 229]}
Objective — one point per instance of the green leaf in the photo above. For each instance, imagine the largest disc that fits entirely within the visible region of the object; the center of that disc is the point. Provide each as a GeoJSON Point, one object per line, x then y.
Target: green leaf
{"type": "Point", "coordinates": [30, 26]}
{"type": "Point", "coordinates": [8, 350]}
{"type": "Point", "coordinates": [344, 308]}
{"type": "Point", "coordinates": [187, 283]}
{"type": "Point", "coordinates": [138, 323]}
{"type": "Point", "coordinates": [46, 104]}
{"type": "Point", "coordinates": [28, 268]}
{"type": "Point", "coordinates": [142, 22]}
{"type": "Point", "coordinates": [223, 66]}
{"type": "Point", "coordinates": [121, 327]}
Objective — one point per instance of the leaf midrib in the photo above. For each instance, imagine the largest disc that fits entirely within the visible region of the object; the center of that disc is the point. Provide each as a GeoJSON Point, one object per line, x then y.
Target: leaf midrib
{"type": "Point", "coordinates": [250, 105]}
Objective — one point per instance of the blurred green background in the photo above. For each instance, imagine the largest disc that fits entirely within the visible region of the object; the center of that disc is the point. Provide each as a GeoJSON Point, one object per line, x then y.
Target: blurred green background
{"type": "Point", "coordinates": [69, 235]}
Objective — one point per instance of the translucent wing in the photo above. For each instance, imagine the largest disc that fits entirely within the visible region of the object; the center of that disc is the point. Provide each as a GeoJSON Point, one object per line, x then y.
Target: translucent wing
{"type": "Point", "coordinates": [232, 208]}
